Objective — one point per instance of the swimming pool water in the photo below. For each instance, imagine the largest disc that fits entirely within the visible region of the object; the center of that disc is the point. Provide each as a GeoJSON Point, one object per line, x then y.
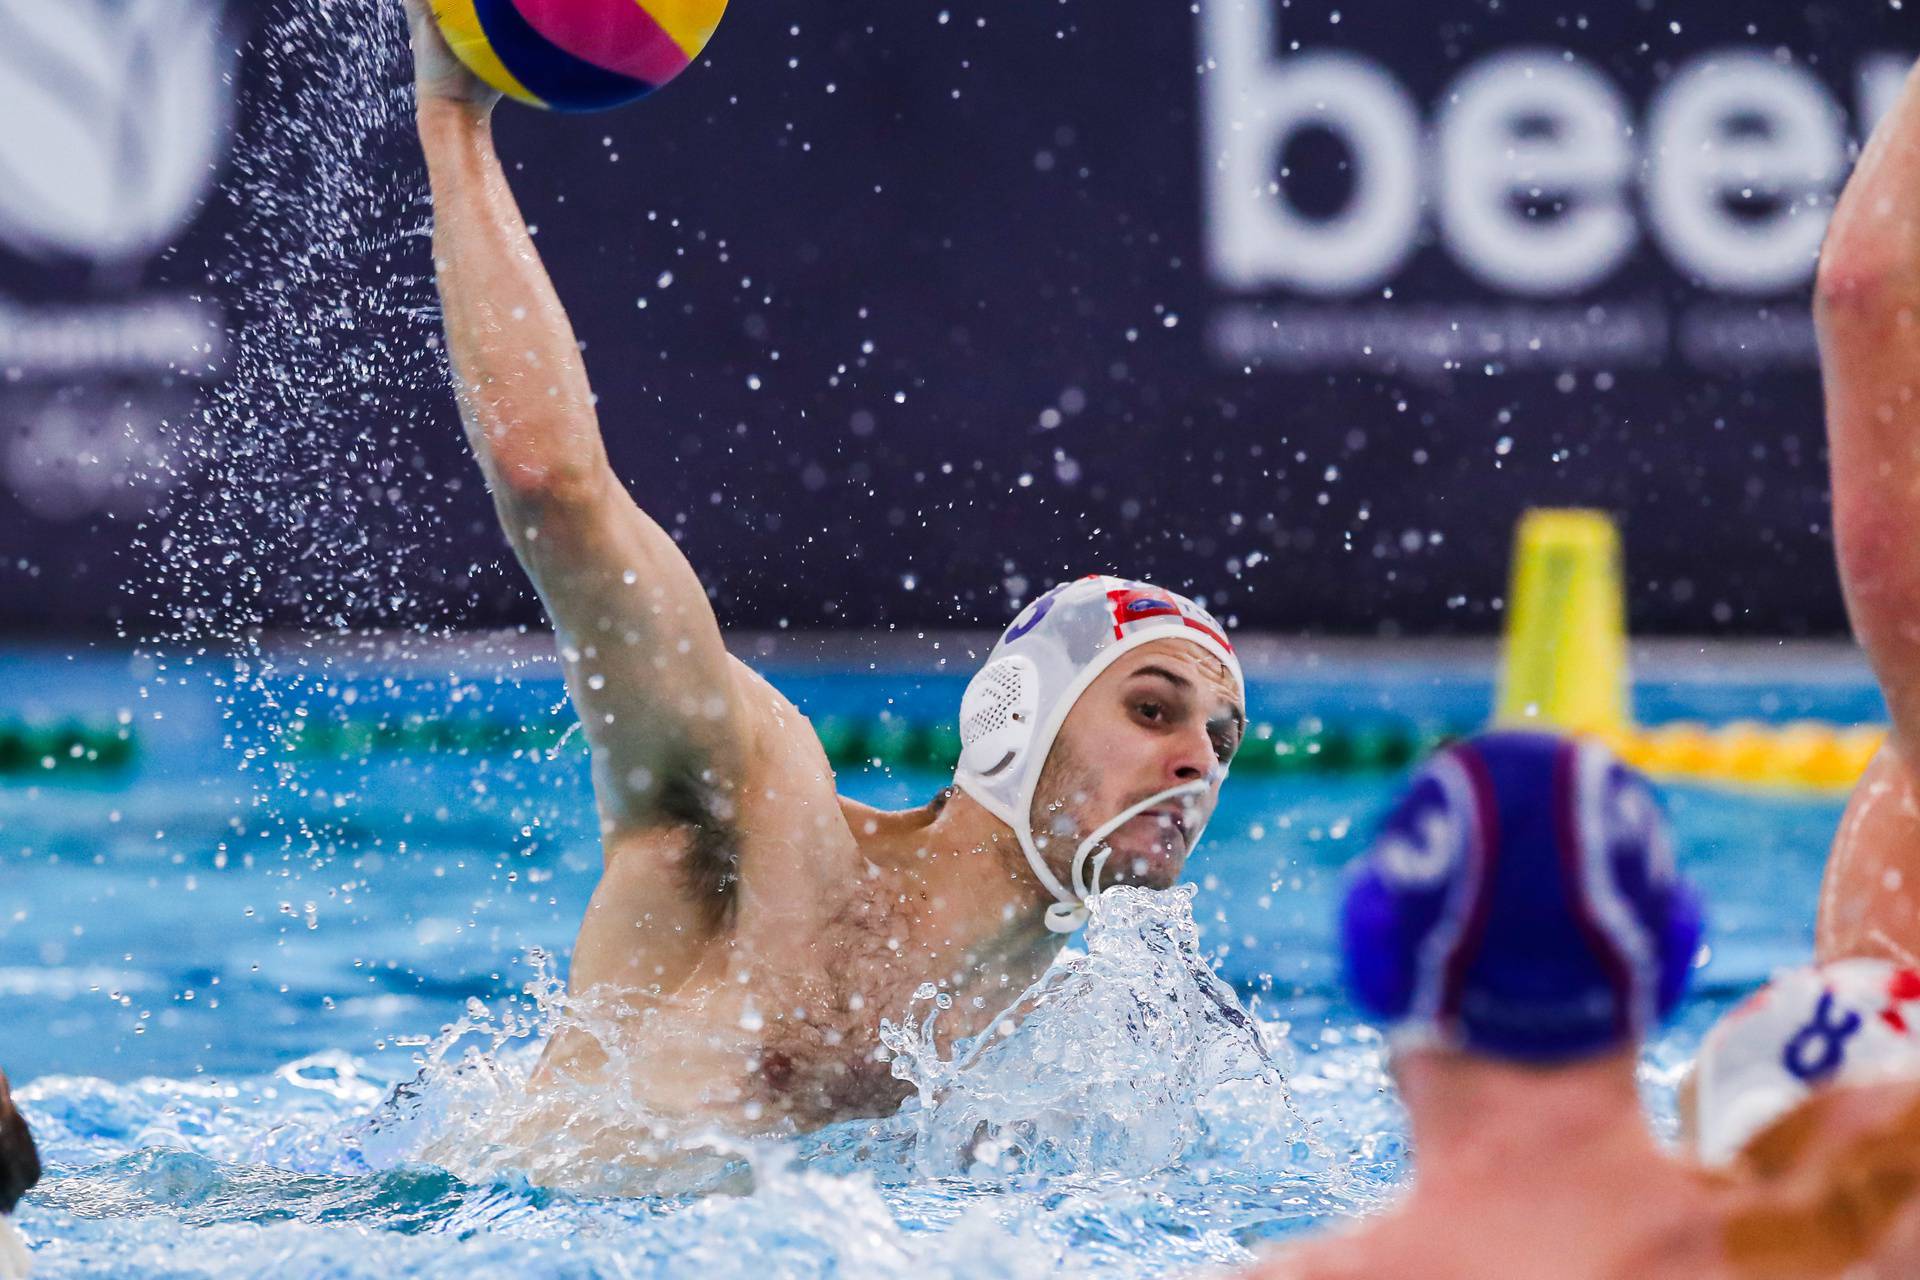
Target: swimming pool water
{"type": "Point", "coordinates": [216, 966]}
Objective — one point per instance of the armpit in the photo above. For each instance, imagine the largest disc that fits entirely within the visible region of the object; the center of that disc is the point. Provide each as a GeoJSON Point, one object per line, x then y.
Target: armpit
{"type": "Point", "coordinates": [692, 802]}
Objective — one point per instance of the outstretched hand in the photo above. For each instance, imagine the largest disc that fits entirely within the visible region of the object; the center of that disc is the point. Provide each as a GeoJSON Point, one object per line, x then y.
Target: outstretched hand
{"type": "Point", "coordinates": [437, 73]}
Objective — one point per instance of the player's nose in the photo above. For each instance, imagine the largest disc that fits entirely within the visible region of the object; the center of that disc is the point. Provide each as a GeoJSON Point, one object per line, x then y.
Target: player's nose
{"type": "Point", "coordinates": [1189, 756]}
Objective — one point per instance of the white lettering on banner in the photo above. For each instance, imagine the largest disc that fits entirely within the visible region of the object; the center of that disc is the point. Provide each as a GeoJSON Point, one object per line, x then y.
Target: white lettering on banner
{"type": "Point", "coordinates": [1261, 239]}
{"type": "Point", "coordinates": [1735, 336]}
{"type": "Point", "coordinates": [1536, 157]}
{"type": "Point", "coordinates": [1521, 128]}
{"type": "Point", "coordinates": [1433, 338]}
{"type": "Point", "coordinates": [156, 336]}
{"type": "Point", "coordinates": [64, 461]}
{"type": "Point", "coordinates": [1728, 128]}
{"type": "Point", "coordinates": [118, 114]}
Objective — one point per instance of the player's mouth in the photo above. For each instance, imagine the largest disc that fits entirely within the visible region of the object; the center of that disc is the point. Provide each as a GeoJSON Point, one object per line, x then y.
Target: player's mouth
{"type": "Point", "coordinates": [1168, 820]}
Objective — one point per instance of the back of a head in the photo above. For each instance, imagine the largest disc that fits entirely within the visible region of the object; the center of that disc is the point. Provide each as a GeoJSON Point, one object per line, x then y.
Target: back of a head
{"type": "Point", "coordinates": [1848, 1022]}
{"type": "Point", "coordinates": [1520, 902]}
{"type": "Point", "coordinates": [1809, 1092]}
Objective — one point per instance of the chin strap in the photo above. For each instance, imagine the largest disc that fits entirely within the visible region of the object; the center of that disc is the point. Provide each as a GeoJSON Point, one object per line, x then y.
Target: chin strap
{"type": "Point", "coordinates": [1070, 913]}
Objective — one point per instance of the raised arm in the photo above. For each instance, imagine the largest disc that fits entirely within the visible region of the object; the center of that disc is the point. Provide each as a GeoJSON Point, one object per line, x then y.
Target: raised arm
{"type": "Point", "coordinates": [669, 714]}
{"type": "Point", "coordinates": [1867, 308]}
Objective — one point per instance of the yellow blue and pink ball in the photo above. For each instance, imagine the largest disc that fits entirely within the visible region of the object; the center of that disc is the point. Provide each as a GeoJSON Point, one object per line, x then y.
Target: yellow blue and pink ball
{"type": "Point", "coordinates": [577, 55]}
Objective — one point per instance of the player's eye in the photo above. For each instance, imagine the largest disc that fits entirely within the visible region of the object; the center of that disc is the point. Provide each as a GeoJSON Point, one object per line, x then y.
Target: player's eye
{"type": "Point", "coordinates": [1154, 711]}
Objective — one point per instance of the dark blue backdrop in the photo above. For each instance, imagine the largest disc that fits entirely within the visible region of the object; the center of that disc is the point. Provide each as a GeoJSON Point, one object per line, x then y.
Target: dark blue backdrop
{"type": "Point", "coordinates": [899, 312]}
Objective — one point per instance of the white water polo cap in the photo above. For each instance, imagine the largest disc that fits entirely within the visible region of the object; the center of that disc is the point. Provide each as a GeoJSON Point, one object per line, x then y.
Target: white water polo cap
{"type": "Point", "coordinates": [1015, 705]}
{"type": "Point", "coordinates": [1849, 1022]}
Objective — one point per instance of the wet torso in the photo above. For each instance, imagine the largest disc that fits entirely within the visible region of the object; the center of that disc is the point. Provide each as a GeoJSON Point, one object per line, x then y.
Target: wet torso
{"type": "Point", "coordinates": [772, 1025]}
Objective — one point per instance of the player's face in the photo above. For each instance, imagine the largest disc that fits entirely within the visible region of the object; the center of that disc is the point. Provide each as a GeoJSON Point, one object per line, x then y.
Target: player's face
{"type": "Point", "coordinates": [1164, 714]}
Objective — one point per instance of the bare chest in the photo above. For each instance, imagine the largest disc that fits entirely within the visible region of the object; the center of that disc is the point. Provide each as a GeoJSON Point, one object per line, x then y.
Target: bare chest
{"type": "Point", "coordinates": [820, 1055]}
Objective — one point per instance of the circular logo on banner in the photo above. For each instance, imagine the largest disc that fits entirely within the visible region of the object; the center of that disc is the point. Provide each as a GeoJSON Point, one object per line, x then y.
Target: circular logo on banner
{"type": "Point", "coordinates": [67, 457]}
{"type": "Point", "coordinates": [117, 114]}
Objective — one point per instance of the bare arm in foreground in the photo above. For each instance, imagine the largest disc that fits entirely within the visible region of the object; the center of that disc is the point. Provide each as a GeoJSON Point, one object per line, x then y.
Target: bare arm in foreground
{"type": "Point", "coordinates": [1867, 308]}
{"type": "Point", "coordinates": [680, 731]}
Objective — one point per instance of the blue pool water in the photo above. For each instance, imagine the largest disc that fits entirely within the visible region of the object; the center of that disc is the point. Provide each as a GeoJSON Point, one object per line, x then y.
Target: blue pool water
{"type": "Point", "coordinates": [215, 967]}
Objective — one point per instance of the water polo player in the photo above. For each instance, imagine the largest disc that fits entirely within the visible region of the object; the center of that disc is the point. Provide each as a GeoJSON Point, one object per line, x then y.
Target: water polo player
{"type": "Point", "coordinates": [1809, 1094]}
{"type": "Point", "coordinates": [1868, 315]}
{"type": "Point", "coordinates": [752, 925]}
{"type": "Point", "coordinates": [1517, 927]}
{"type": "Point", "coordinates": [1847, 1023]}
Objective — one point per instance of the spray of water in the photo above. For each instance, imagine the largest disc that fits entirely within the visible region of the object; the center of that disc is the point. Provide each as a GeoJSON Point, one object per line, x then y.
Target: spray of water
{"type": "Point", "coordinates": [298, 493]}
{"type": "Point", "coordinates": [473, 1107]}
{"type": "Point", "coordinates": [1100, 1065]}
{"type": "Point", "coordinates": [1104, 1067]}
{"type": "Point", "coordinates": [298, 498]}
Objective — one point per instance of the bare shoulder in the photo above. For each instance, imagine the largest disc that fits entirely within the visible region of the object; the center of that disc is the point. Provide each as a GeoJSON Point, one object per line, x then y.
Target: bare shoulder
{"type": "Point", "coordinates": [1870, 897]}
{"type": "Point", "coordinates": [760, 847]}
{"type": "Point", "coordinates": [1832, 1187]}
{"type": "Point", "coordinates": [794, 840]}
{"type": "Point", "coordinates": [1338, 1255]}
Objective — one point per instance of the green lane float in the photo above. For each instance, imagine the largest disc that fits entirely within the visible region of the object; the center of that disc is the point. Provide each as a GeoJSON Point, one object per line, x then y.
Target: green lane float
{"type": "Point", "coordinates": [72, 745]}
{"type": "Point", "coordinates": [1804, 754]}
{"type": "Point", "coordinates": [1564, 664]}
{"type": "Point", "coordinates": [889, 740]}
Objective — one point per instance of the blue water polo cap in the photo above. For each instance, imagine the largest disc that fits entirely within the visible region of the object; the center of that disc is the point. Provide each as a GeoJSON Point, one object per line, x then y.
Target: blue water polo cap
{"type": "Point", "coordinates": [1521, 901]}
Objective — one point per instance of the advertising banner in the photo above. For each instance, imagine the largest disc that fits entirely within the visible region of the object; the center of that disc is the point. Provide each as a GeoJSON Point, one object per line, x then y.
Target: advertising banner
{"type": "Point", "coordinates": [899, 313]}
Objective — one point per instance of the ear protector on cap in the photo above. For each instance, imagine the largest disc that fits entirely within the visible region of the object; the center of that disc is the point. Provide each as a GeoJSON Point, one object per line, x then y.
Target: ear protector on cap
{"type": "Point", "coordinates": [998, 715]}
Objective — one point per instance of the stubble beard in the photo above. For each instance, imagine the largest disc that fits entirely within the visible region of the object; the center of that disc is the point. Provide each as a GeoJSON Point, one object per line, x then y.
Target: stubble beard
{"type": "Point", "coordinates": [1068, 783]}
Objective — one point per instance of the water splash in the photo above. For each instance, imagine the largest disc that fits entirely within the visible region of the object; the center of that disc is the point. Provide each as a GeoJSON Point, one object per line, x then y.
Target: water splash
{"type": "Point", "coordinates": [1100, 1065]}
{"type": "Point", "coordinates": [1135, 1117]}
{"type": "Point", "coordinates": [1104, 1066]}
{"type": "Point", "coordinates": [298, 494]}
{"type": "Point", "coordinates": [1226, 1160]}
{"type": "Point", "coordinates": [470, 1108]}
